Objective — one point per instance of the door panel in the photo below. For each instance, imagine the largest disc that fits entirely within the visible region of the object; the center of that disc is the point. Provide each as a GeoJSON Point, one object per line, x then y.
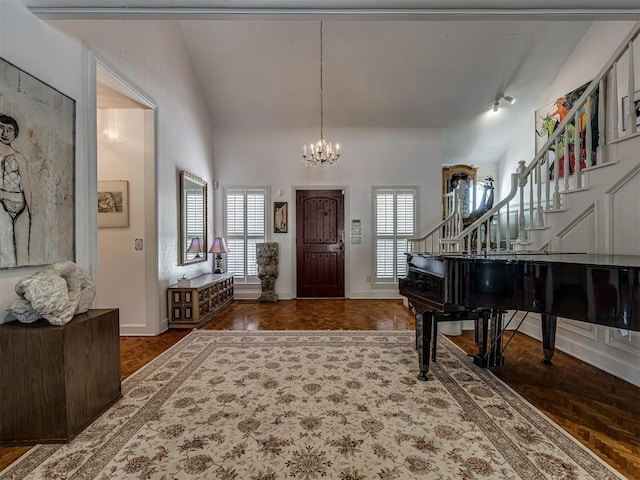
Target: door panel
{"type": "Point", "coordinates": [320, 243]}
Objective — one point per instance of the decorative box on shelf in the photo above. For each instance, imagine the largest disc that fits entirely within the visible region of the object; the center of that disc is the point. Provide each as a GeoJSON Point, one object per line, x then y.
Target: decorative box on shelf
{"type": "Point", "coordinates": [194, 305]}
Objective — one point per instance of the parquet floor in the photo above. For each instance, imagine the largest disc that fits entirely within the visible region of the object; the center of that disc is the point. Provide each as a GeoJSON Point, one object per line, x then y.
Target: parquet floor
{"type": "Point", "coordinates": [601, 411]}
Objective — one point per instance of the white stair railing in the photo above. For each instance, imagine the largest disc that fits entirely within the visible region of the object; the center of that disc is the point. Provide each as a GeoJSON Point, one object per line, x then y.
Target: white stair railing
{"type": "Point", "coordinates": [451, 226]}
{"type": "Point", "coordinates": [570, 148]}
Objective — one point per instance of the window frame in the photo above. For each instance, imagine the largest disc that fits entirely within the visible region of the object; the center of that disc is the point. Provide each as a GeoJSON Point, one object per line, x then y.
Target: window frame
{"type": "Point", "coordinates": [246, 278]}
{"type": "Point", "coordinates": [395, 190]}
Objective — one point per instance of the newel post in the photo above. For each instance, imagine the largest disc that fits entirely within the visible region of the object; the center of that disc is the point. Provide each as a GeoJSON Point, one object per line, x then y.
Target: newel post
{"type": "Point", "coordinates": [522, 182]}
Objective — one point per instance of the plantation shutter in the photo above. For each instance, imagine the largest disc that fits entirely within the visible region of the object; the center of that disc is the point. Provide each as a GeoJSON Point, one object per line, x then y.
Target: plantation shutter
{"type": "Point", "coordinates": [194, 208]}
{"type": "Point", "coordinates": [394, 223]}
{"type": "Point", "coordinates": [245, 226]}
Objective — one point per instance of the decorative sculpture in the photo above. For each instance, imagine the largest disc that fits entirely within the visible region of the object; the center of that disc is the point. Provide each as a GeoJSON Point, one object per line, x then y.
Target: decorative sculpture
{"type": "Point", "coordinates": [267, 258]}
{"type": "Point", "coordinates": [486, 203]}
{"type": "Point", "coordinates": [56, 294]}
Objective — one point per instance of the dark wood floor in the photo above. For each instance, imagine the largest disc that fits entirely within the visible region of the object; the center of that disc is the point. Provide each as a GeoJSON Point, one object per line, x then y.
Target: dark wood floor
{"type": "Point", "coordinates": [601, 411]}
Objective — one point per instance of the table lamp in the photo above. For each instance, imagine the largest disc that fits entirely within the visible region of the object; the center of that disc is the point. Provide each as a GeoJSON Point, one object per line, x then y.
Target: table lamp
{"type": "Point", "coordinates": [195, 247]}
{"type": "Point", "coordinates": [219, 247]}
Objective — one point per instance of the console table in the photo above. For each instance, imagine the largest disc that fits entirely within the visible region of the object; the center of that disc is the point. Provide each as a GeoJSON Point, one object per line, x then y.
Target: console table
{"type": "Point", "coordinates": [55, 380]}
{"type": "Point", "coordinates": [195, 305]}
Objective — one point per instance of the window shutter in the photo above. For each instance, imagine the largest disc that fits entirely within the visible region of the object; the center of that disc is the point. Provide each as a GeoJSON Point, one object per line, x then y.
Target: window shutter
{"type": "Point", "coordinates": [394, 223]}
{"type": "Point", "coordinates": [405, 213]}
{"type": "Point", "coordinates": [245, 226]}
{"type": "Point", "coordinates": [194, 206]}
{"type": "Point", "coordinates": [384, 214]}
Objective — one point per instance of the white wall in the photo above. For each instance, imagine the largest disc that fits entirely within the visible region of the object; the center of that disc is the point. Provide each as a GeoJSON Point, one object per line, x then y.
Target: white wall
{"type": "Point", "coordinates": [61, 62]}
{"type": "Point", "coordinates": [123, 159]}
{"type": "Point", "coordinates": [603, 219]}
{"type": "Point", "coordinates": [370, 157]}
{"type": "Point", "coordinates": [590, 55]}
{"type": "Point", "coordinates": [152, 56]}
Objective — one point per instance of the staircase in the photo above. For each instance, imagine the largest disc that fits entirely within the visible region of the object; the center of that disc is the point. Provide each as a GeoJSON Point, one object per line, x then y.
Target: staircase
{"type": "Point", "coordinates": [553, 194]}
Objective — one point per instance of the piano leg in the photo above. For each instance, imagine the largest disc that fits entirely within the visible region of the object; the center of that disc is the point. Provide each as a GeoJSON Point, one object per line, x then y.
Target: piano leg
{"type": "Point", "coordinates": [497, 324]}
{"type": "Point", "coordinates": [489, 338]}
{"type": "Point", "coordinates": [424, 327]}
{"type": "Point", "coordinates": [482, 337]}
{"type": "Point", "coordinates": [548, 337]}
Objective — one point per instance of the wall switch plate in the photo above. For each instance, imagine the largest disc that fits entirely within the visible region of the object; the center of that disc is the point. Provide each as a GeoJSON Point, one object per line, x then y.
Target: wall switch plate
{"type": "Point", "coordinates": [138, 244]}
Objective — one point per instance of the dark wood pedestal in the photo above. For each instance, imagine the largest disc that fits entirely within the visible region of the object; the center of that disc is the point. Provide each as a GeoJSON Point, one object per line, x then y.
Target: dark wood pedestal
{"type": "Point", "coordinates": [55, 380]}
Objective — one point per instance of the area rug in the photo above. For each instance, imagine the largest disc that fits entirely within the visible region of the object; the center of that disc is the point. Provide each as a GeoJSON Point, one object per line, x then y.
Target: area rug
{"type": "Point", "coordinates": [307, 405]}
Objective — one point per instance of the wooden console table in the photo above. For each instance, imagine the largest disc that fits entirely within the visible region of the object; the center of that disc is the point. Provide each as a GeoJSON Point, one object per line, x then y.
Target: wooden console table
{"type": "Point", "coordinates": [55, 380]}
{"type": "Point", "coordinates": [195, 305]}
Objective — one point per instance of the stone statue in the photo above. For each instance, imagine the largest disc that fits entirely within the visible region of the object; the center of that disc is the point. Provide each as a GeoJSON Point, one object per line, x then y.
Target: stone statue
{"type": "Point", "coordinates": [56, 294]}
{"type": "Point", "coordinates": [267, 257]}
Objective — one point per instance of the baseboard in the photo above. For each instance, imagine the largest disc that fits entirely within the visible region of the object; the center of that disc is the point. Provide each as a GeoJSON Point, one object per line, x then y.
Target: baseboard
{"type": "Point", "coordinates": [376, 295]}
{"type": "Point", "coordinates": [592, 352]}
{"type": "Point", "coordinates": [140, 330]}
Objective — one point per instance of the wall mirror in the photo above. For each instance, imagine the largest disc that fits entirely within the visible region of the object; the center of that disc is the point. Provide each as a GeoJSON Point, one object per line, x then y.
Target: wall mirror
{"type": "Point", "coordinates": [192, 242]}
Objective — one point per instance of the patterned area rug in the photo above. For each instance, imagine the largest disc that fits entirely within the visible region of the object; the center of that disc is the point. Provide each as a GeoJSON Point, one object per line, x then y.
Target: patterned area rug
{"type": "Point", "coordinates": [310, 405]}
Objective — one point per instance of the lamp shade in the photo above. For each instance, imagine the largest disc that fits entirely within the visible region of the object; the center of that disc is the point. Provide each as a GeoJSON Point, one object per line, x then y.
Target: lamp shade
{"type": "Point", "coordinates": [219, 246]}
{"type": "Point", "coordinates": [195, 246]}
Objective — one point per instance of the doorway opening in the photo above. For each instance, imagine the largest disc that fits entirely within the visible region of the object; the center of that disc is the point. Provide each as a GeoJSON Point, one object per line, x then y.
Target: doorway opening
{"type": "Point", "coordinates": [127, 276]}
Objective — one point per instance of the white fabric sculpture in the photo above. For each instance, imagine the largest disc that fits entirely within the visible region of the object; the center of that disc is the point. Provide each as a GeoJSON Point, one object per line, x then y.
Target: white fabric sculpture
{"type": "Point", "coordinates": [56, 294]}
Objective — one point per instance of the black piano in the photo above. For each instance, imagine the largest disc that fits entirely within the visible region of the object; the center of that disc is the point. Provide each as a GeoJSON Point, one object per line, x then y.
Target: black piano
{"type": "Point", "coordinates": [600, 289]}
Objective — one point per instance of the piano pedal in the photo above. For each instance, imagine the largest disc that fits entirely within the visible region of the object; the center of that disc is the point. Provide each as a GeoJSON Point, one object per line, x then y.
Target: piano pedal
{"type": "Point", "coordinates": [481, 361]}
{"type": "Point", "coordinates": [485, 362]}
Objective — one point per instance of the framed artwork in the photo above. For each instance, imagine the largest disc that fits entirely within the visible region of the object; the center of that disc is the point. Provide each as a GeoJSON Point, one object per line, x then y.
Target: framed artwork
{"type": "Point", "coordinates": [280, 217]}
{"type": "Point", "coordinates": [625, 108]}
{"type": "Point", "coordinates": [549, 117]}
{"type": "Point", "coordinates": [37, 171]}
{"type": "Point", "coordinates": [113, 204]}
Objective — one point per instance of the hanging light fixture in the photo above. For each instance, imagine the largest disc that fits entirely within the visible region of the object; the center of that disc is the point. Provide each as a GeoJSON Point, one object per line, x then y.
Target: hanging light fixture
{"type": "Point", "coordinates": [320, 153]}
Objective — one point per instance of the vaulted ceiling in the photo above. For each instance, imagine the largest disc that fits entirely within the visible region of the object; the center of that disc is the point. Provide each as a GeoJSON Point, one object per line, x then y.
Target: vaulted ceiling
{"type": "Point", "coordinates": [395, 64]}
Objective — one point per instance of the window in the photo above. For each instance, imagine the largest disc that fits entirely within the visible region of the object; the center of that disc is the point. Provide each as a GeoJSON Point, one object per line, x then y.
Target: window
{"type": "Point", "coordinates": [394, 223]}
{"type": "Point", "coordinates": [245, 226]}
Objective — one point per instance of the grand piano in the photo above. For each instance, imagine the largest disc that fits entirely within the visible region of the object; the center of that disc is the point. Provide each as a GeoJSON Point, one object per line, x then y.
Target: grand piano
{"type": "Point", "coordinates": [599, 289]}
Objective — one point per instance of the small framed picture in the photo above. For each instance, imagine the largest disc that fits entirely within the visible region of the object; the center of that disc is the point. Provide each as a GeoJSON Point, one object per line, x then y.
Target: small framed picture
{"type": "Point", "coordinates": [280, 217]}
{"type": "Point", "coordinates": [636, 109]}
{"type": "Point", "coordinates": [113, 204]}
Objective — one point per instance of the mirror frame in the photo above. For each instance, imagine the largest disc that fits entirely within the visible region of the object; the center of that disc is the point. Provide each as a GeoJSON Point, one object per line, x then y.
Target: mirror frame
{"type": "Point", "coordinates": [184, 257]}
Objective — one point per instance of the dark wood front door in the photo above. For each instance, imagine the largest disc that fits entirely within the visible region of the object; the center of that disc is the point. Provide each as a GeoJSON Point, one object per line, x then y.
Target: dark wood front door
{"type": "Point", "coordinates": [320, 243]}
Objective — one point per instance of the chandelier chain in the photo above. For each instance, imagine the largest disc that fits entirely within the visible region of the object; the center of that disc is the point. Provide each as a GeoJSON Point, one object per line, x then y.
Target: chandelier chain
{"type": "Point", "coordinates": [321, 89]}
{"type": "Point", "coordinates": [321, 153]}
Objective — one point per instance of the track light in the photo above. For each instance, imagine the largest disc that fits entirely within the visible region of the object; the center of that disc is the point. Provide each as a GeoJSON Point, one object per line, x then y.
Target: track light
{"type": "Point", "coordinates": [506, 98]}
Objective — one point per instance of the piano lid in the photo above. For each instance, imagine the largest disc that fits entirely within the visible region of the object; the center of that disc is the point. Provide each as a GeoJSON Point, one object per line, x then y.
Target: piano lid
{"type": "Point", "coordinates": [587, 259]}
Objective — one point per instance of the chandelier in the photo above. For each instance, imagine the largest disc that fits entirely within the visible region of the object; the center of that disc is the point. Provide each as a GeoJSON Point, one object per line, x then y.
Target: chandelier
{"type": "Point", "coordinates": [320, 153]}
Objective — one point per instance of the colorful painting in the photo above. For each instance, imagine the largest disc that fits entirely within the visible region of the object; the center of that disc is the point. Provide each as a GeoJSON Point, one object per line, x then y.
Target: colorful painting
{"type": "Point", "coordinates": [549, 117]}
{"type": "Point", "coordinates": [37, 168]}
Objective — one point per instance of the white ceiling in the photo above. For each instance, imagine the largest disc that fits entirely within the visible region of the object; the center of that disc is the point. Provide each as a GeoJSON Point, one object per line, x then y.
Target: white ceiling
{"type": "Point", "coordinates": [259, 67]}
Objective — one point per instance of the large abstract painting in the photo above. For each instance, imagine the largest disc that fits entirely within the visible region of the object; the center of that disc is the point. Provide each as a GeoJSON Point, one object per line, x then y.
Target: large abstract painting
{"type": "Point", "coordinates": [37, 164]}
{"type": "Point", "coordinates": [549, 117]}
